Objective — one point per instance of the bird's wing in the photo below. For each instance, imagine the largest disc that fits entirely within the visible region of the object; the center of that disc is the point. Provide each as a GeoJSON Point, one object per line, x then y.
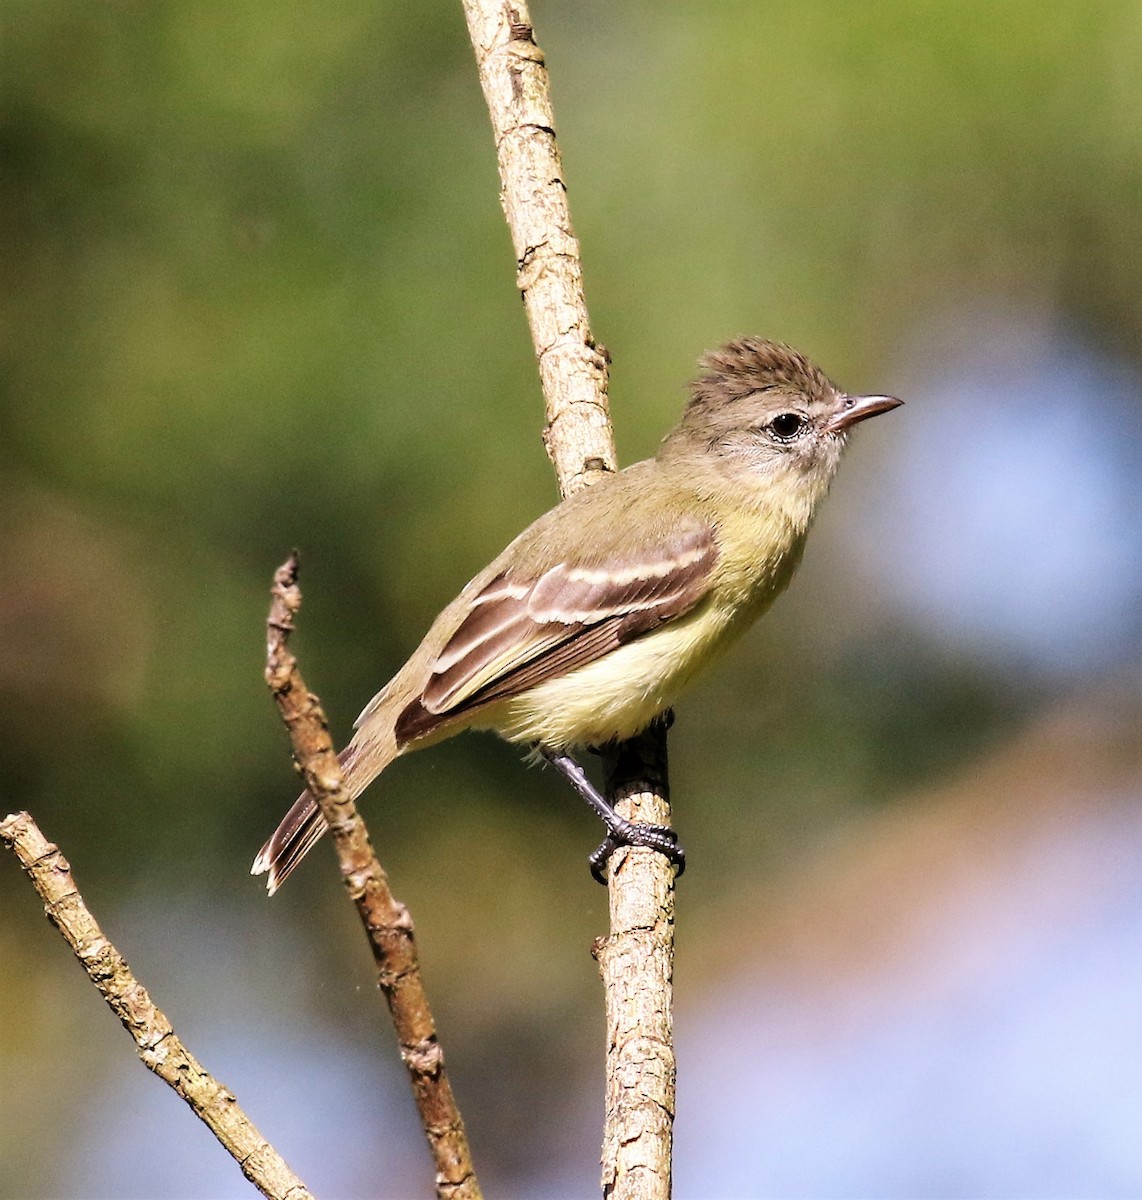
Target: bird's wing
{"type": "Point", "coordinates": [520, 632]}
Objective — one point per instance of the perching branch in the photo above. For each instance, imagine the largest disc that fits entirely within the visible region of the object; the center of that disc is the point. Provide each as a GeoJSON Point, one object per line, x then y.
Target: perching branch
{"type": "Point", "coordinates": [572, 369]}
{"type": "Point", "coordinates": [387, 922]}
{"type": "Point", "coordinates": [158, 1045]}
{"type": "Point", "coordinates": [636, 961]}
{"type": "Point", "coordinates": [637, 966]}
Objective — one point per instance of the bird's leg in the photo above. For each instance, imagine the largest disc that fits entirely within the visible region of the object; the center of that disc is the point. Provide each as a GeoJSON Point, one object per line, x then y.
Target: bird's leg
{"type": "Point", "coordinates": [620, 831]}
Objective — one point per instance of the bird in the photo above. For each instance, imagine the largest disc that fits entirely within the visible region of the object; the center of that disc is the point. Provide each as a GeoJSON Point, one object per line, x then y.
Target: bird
{"type": "Point", "coordinates": [591, 622]}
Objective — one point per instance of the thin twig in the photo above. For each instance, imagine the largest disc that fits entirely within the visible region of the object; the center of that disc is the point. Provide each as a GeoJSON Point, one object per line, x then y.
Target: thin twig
{"type": "Point", "coordinates": [387, 922]}
{"type": "Point", "coordinates": [637, 959]}
{"type": "Point", "coordinates": [158, 1045]}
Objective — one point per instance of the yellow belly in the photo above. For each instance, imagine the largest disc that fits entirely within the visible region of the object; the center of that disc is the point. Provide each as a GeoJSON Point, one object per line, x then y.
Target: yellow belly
{"type": "Point", "coordinates": [620, 694]}
{"type": "Point", "coordinates": [617, 696]}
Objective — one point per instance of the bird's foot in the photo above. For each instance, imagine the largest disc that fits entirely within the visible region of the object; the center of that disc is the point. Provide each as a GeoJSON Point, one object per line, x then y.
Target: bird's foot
{"type": "Point", "coordinates": [636, 833]}
{"type": "Point", "coordinates": [620, 831]}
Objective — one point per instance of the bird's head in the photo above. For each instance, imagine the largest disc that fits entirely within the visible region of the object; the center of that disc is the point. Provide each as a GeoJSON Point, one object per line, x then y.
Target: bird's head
{"type": "Point", "coordinates": [764, 411]}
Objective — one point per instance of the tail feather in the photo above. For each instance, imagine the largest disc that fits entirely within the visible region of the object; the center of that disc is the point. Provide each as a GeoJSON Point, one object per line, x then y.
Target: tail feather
{"type": "Point", "coordinates": [303, 826]}
{"type": "Point", "coordinates": [300, 830]}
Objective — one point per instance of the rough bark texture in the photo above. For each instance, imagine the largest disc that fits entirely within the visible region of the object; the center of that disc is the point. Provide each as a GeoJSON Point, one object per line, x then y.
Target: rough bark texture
{"type": "Point", "coordinates": [387, 922]}
{"type": "Point", "coordinates": [636, 961]}
{"type": "Point", "coordinates": [158, 1045]}
{"type": "Point", "coordinates": [572, 369]}
{"type": "Point", "coordinates": [637, 965]}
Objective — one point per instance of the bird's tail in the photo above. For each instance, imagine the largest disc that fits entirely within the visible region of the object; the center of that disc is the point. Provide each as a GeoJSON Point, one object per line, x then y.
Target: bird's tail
{"type": "Point", "coordinates": [303, 826]}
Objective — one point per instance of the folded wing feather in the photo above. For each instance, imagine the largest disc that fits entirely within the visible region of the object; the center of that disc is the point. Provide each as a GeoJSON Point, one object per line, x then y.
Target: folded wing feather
{"type": "Point", "coordinates": [519, 633]}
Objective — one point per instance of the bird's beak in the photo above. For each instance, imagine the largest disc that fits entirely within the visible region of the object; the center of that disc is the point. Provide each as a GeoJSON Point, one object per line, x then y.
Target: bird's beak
{"type": "Point", "coordinates": [860, 408]}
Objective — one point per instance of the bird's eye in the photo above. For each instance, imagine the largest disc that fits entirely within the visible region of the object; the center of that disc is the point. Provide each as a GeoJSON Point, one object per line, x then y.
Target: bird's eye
{"type": "Point", "coordinates": [786, 426]}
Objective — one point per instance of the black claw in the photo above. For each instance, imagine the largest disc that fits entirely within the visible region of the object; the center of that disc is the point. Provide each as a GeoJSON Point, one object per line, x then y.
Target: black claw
{"type": "Point", "coordinates": [620, 831]}
{"type": "Point", "coordinates": [637, 833]}
{"type": "Point", "coordinates": [599, 857]}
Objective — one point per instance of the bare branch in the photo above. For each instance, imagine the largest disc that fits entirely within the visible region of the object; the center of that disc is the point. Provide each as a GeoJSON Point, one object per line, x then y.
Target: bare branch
{"type": "Point", "coordinates": [549, 271]}
{"type": "Point", "coordinates": [637, 960]}
{"type": "Point", "coordinates": [158, 1045]}
{"type": "Point", "coordinates": [637, 966]}
{"type": "Point", "coordinates": [387, 922]}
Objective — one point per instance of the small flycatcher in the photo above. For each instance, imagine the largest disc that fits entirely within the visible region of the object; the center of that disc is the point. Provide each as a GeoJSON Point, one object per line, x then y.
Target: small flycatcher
{"type": "Point", "coordinates": [588, 626]}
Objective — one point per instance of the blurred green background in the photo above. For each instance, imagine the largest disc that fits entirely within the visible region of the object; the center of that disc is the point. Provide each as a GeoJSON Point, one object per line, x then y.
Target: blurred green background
{"type": "Point", "coordinates": [259, 294]}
